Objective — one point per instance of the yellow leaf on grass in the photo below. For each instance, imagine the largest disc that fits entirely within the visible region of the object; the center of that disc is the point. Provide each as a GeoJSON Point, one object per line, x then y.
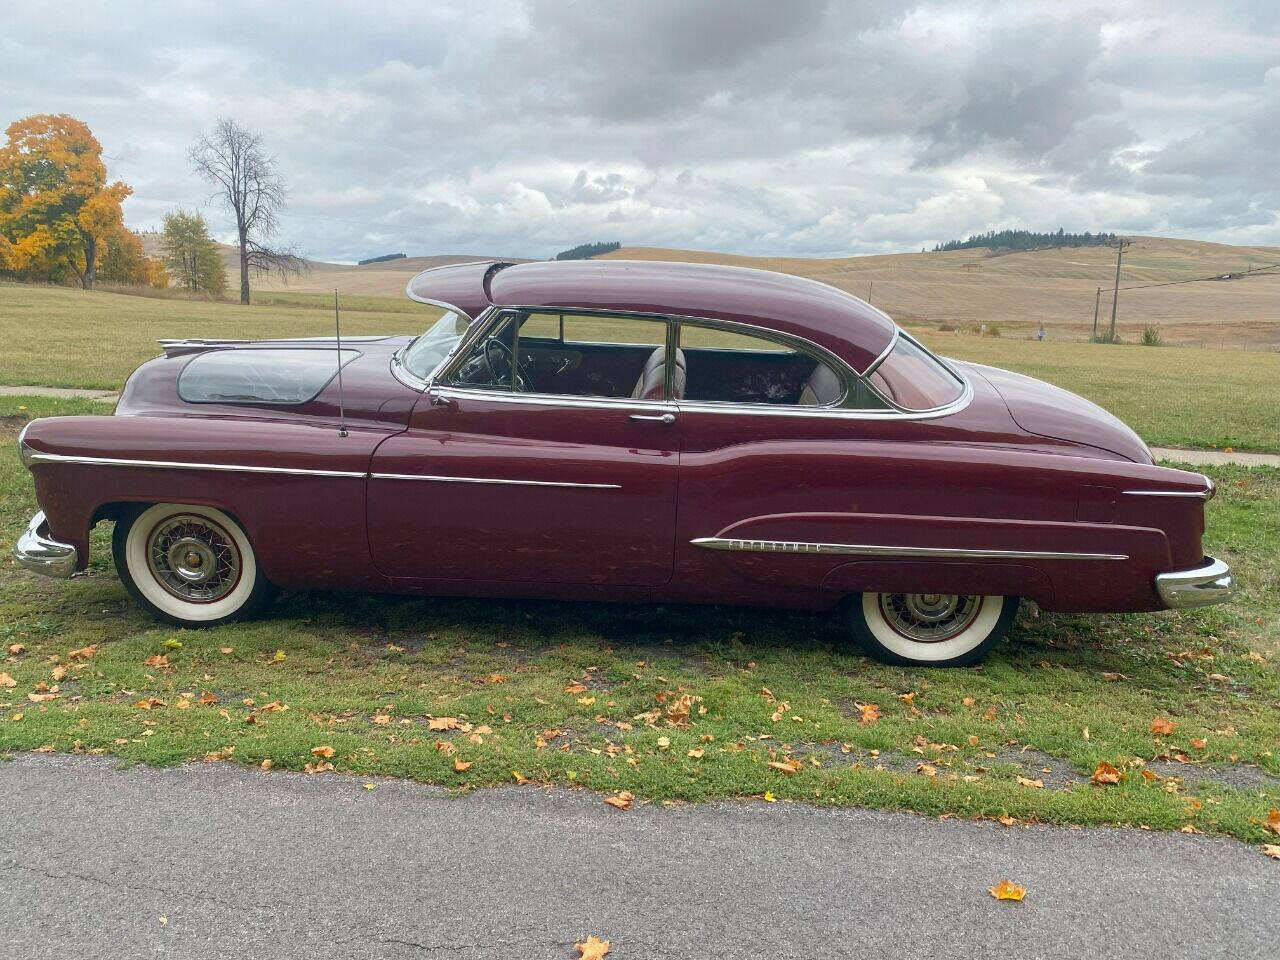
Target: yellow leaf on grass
{"type": "Point", "coordinates": [592, 949]}
{"type": "Point", "coordinates": [769, 797]}
{"type": "Point", "coordinates": [1273, 821]}
{"type": "Point", "coordinates": [278, 656]}
{"type": "Point", "coordinates": [1104, 773]}
{"type": "Point", "coordinates": [442, 723]}
{"type": "Point", "coordinates": [621, 800]}
{"type": "Point", "coordinates": [149, 703]}
{"type": "Point", "coordinates": [519, 777]}
{"type": "Point", "coordinates": [7, 681]}
{"type": "Point", "coordinates": [1027, 782]}
{"type": "Point", "coordinates": [1007, 890]}
{"type": "Point", "coordinates": [325, 751]}
{"type": "Point", "coordinates": [1162, 726]}
{"type": "Point", "coordinates": [664, 743]}
{"type": "Point", "coordinates": [461, 765]}
{"type": "Point", "coordinates": [173, 643]}
{"type": "Point", "coordinates": [870, 713]}
{"type": "Point", "coordinates": [786, 766]}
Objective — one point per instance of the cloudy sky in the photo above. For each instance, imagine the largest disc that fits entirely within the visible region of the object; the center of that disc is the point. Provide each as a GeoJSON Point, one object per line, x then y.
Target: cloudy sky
{"type": "Point", "coordinates": [522, 127]}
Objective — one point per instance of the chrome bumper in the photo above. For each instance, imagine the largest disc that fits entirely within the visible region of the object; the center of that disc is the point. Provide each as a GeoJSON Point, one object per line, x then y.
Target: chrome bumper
{"type": "Point", "coordinates": [1211, 582]}
{"type": "Point", "coordinates": [39, 552]}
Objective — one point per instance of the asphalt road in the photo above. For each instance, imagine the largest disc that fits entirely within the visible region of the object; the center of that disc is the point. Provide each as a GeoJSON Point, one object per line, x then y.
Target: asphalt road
{"type": "Point", "coordinates": [249, 864]}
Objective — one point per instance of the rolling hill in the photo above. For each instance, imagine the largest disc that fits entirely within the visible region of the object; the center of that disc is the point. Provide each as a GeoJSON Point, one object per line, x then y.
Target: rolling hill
{"type": "Point", "coordinates": [1016, 292]}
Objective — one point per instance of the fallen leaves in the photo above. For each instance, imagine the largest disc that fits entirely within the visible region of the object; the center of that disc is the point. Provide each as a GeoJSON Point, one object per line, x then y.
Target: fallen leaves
{"type": "Point", "coordinates": [278, 657]}
{"type": "Point", "coordinates": [1028, 782]}
{"type": "Point", "coordinates": [1162, 726]}
{"type": "Point", "coordinates": [1008, 890]}
{"type": "Point", "coordinates": [1273, 821]}
{"type": "Point", "coordinates": [84, 653]}
{"type": "Point", "coordinates": [788, 767]}
{"type": "Point", "coordinates": [438, 724]}
{"type": "Point", "coordinates": [16, 649]}
{"type": "Point", "coordinates": [460, 765]}
{"type": "Point", "coordinates": [173, 643]}
{"type": "Point", "coordinates": [323, 767]}
{"type": "Point", "coordinates": [149, 703]}
{"type": "Point", "coordinates": [519, 778]}
{"type": "Point", "coordinates": [592, 948]}
{"type": "Point", "coordinates": [870, 713]}
{"type": "Point", "coordinates": [575, 688]}
{"type": "Point", "coordinates": [620, 801]}
{"type": "Point", "coordinates": [325, 751]}
{"type": "Point", "coordinates": [156, 660]}
{"type": "Point", "coordinates": [1271, 850]}
{"type": "Point", "coordinates": [769, 797]}
{"type": "Point", "coordinates": [7, 681]}
{"type": "Point", "coordinates": [43, 697]}
{"type": "Point", "coordinates": [1105, 774]}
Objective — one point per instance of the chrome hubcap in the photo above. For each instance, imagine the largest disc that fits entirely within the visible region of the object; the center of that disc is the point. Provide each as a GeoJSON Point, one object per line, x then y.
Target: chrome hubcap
{"type": "Point", "coordinates": [929, 617]}
{"type": "Point", "coordinates": [193, 558]}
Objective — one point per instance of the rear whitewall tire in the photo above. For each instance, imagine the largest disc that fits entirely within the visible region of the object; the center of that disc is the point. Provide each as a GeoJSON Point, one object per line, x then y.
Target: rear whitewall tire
{"type": "Point", "coordinates": [246, 593]}
{"type": "Point", "coordinates": [882, 635]}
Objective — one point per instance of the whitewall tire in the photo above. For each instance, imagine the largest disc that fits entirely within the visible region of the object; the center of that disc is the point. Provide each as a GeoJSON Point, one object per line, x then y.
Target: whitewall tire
{"type": "Point", "coordinates": [189, 565]}
{"type": "Point", "coordinates": [928, 629]}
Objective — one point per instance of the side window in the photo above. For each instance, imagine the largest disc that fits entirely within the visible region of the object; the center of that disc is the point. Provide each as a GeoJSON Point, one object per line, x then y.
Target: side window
{"type": "Point", "coordinates": [572, 355]}
{"type": "Point", "coordinates": [725, 366]}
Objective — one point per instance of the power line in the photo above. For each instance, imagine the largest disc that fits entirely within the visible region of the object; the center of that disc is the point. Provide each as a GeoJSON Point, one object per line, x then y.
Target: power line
{"type": "Point", "coordinates": [1216, 276]}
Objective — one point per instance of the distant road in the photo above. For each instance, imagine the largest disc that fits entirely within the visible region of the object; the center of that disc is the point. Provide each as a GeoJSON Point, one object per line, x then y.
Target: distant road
{"type": "Point", "coordinates": [275, 865]}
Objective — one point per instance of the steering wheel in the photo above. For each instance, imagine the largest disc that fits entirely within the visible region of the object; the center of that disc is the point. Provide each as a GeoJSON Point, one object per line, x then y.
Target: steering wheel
{"type": "Point", "coordinates": [497, 357]}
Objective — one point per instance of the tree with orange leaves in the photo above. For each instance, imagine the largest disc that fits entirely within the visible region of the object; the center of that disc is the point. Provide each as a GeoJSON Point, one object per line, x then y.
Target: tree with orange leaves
{"type": "Point", "coordinates": [56, 207]}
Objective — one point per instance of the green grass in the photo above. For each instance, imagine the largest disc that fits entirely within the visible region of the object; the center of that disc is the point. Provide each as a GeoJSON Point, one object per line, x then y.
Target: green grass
{"type": "Point", "coordinates": [345, 661]}
{"type": "Point", "coordinates": [1172, 396]}
{"type": "Point", "coordinates": [62, 337]}
{"type": "Point", "coordinates": [55, 336]}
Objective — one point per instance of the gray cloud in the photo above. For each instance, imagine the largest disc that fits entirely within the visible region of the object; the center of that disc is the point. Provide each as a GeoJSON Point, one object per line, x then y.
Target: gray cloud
{"type": "Point", "coordinates": [525, 126]}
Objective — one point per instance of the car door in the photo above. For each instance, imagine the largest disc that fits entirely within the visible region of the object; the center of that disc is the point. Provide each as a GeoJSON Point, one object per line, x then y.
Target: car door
{"type": "Point", "coordinates": [547, 470]}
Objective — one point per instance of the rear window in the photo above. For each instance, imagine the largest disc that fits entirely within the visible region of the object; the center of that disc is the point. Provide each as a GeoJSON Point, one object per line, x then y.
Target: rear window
{"type": "Point", "coordinates": [259, 376]}
{"type": "Point", "coordinates": [913, 378]}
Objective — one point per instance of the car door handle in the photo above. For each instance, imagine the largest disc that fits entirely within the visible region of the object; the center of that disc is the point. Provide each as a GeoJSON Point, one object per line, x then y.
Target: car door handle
{"type": "Point", "coordinates": [655, 417]}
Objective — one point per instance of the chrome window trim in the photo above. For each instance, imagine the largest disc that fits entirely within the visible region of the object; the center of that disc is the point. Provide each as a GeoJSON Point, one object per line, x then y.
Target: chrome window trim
{"type": "Point", "coordinates": [420, 384]}
{"type": "Point", "coordinates": [494, 480]}
{"type": "Point", "coordinates": [966, 388]}
{"type": "Point", "coordinates": [553, 399]}
{"type": "Point", "coordinates": [877, 550]}
{"type": "Point", "coordinates": [182, 465]}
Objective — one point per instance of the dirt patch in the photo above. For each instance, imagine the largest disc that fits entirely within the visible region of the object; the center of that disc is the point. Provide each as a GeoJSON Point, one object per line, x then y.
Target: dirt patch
{"type": "Point", "coordinates": [1237, 776]}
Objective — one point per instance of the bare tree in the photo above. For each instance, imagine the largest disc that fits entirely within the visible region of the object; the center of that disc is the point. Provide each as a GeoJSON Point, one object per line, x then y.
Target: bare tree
{"type": "Point", "coordinates": [246, 180]}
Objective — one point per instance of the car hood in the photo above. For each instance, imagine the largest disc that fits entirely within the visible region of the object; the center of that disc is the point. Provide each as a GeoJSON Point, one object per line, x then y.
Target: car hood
{"type": "Point", "coordinates": [1047, 411]}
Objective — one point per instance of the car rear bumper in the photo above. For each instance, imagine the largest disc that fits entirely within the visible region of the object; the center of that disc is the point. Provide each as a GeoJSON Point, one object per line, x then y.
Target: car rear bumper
{"type": "Point", "coordinates": [1211, 582]}
{"type": "Point", "coordinates": [39, 552]}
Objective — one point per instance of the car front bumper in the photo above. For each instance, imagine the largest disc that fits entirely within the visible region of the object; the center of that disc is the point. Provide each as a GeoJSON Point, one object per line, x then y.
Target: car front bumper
{"type": "Point", "coordinates": [1211, 582]}
{"type": "Point", "coordinates": [40, 553]}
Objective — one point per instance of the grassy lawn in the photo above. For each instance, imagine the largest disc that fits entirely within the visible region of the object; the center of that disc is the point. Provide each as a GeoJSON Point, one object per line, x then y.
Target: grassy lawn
{"type": "Point", "coordinates": [1172, 396]}
{"type": "Point", "coordinates": [61, 337]}
{"type": "Point", "coordinates": [676, 705]}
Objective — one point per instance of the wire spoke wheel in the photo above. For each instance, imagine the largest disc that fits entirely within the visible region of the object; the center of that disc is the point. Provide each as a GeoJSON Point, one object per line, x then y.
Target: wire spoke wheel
{"type": "Point", "coordinates": [929, 617]}
{"type": "Point", "coordinates": [193, 558]}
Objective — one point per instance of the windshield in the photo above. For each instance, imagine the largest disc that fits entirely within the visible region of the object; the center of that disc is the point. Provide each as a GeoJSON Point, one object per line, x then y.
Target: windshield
{"type": "Point", "coordinates": [425, 353]}
{"type": "Point", "coordinates": [915, 379]}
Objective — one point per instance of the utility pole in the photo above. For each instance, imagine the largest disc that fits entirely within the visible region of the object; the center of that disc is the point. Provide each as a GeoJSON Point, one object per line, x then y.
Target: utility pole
{"type": "Point", "coordinates": [1096, 300]}
{"type": "Point", "coordinates": [1115, 296]}
{"type": "Point", "coordinates": [871, 286]}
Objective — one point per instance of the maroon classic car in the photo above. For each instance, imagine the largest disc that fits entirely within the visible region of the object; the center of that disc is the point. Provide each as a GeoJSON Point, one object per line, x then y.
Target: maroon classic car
{"type": "Point", "coordinates": [615, 430]}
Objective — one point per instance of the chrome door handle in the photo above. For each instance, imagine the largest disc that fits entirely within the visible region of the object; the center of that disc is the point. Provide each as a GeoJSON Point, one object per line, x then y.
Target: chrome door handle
{"type": "Point", "coordinates": [655, 417]}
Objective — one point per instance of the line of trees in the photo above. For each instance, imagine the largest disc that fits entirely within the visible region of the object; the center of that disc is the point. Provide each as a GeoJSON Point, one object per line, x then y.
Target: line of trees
{"type": "Point", "coordinates": [585, 251]}
{"type": "Point", "coordinates": [1028, 240]}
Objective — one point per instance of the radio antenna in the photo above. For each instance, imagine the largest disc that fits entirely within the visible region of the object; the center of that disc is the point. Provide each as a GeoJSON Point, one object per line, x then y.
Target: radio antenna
{"type": "Point", "coordinates": [337, 330]}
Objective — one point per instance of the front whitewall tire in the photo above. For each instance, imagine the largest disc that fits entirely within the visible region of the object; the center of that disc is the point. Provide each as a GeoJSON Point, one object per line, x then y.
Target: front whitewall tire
{"type": "Point", "coordinates": [884, 636]}
{"type": "Point", "coordinates": [133, 543]}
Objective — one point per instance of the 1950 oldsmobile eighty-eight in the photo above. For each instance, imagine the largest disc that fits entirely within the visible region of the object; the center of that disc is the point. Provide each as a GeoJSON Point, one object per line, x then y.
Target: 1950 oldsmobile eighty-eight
{"type": "Point", "coordinates": [624, 431]}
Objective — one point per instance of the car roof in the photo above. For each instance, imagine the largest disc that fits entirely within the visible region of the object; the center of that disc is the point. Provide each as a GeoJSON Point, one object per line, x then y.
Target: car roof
{"type": "Point", "coordinates": [850, 328]}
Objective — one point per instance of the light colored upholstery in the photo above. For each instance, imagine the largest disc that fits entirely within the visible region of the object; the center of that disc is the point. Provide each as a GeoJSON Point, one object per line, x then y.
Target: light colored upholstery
{"type": "Point", "coordinates": [822, 387]}
{"type": "Point", "coordinates": [652, 380]}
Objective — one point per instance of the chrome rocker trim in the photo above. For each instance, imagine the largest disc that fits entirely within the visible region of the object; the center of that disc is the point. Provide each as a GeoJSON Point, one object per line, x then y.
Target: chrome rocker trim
{"type": "Point", "coordinates": [1211, 582]}
{"type": "Point", "coordinates": [40, 553]}
{"type": "Point", "coordinates": [876, 550]}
